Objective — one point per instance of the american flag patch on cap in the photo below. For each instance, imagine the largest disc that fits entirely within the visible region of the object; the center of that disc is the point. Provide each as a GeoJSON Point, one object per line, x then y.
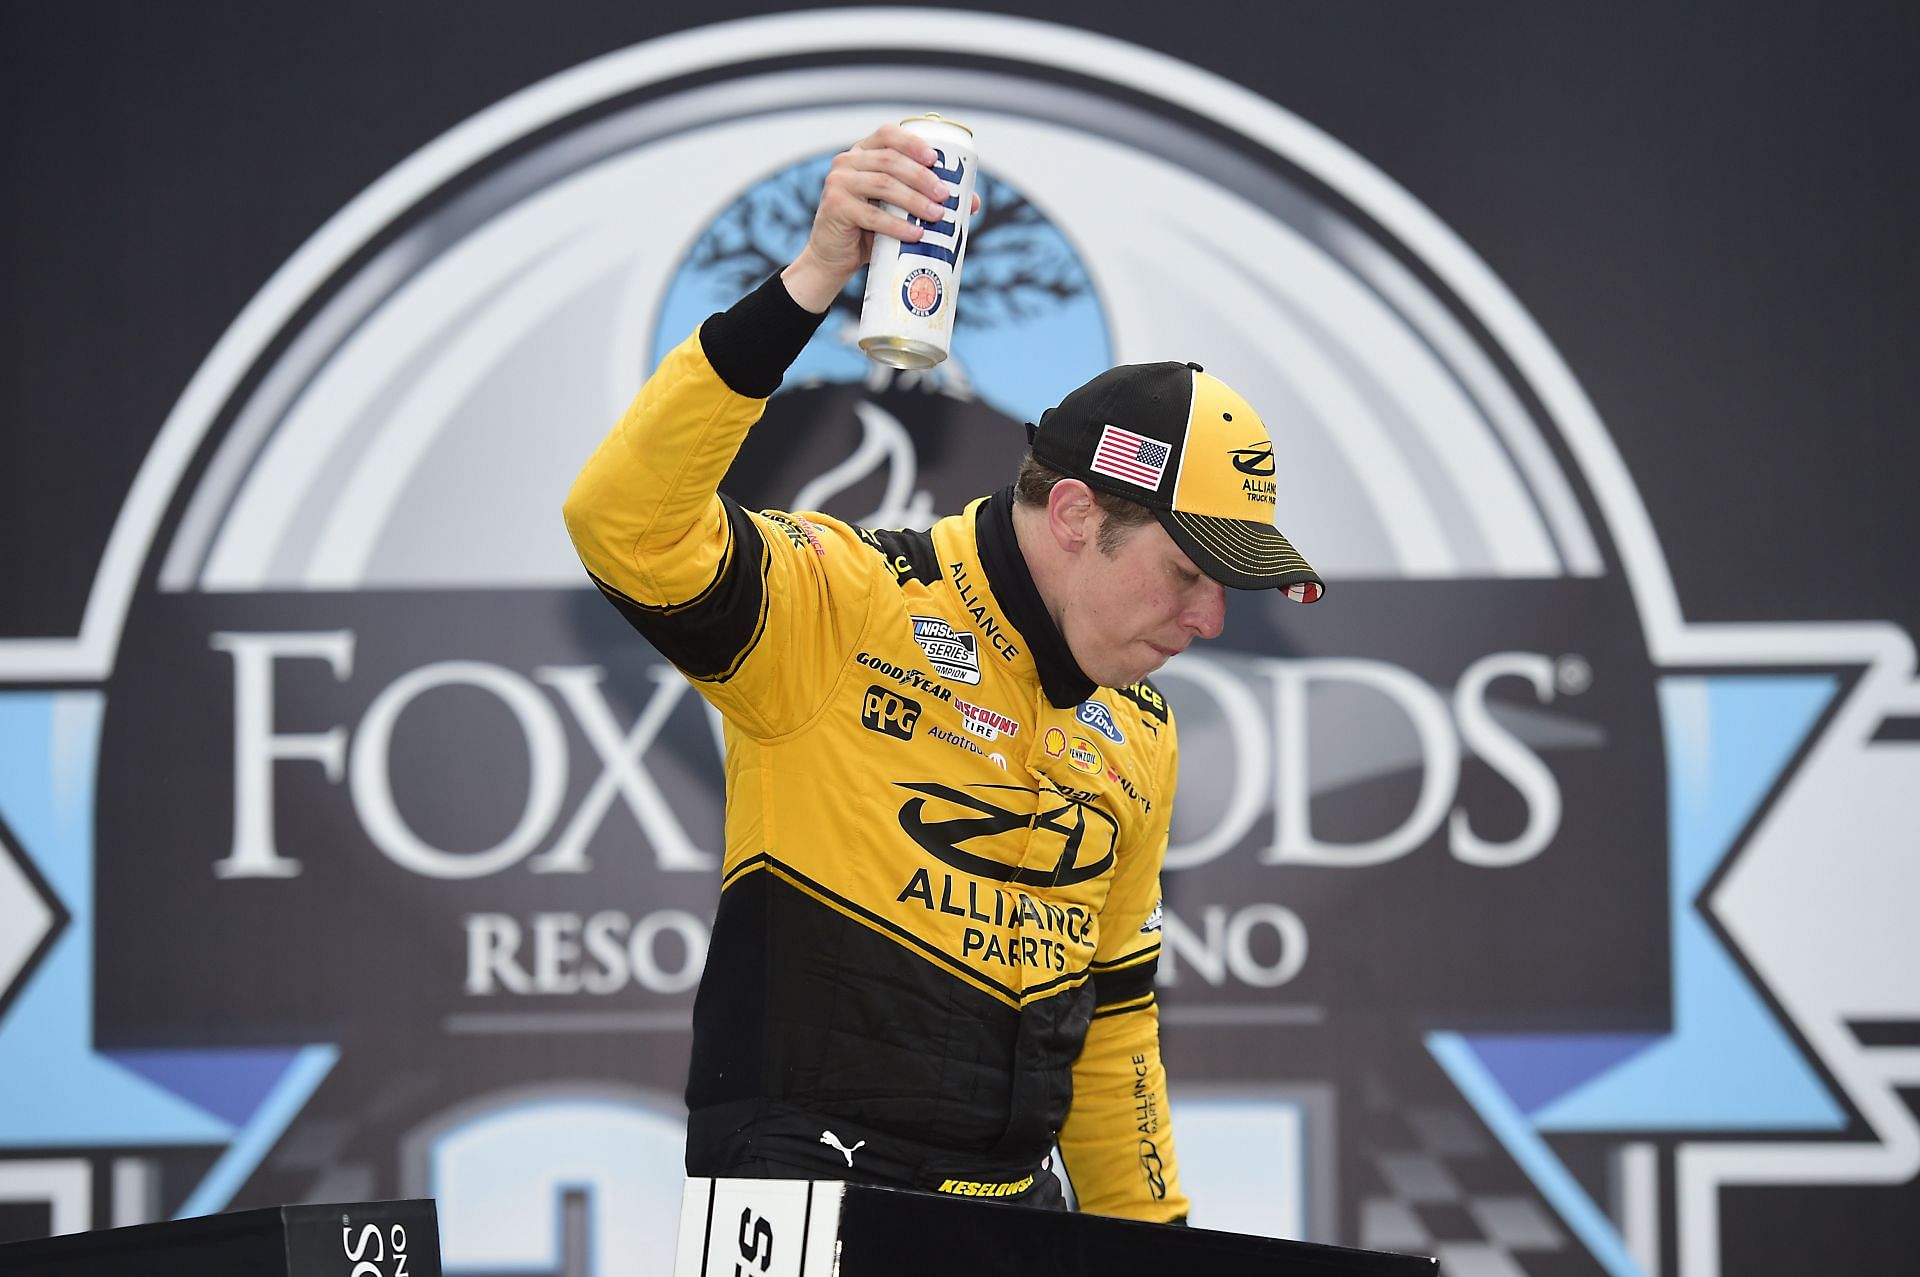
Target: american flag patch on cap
{"type": "Point", "coordinates": [1122, 454]}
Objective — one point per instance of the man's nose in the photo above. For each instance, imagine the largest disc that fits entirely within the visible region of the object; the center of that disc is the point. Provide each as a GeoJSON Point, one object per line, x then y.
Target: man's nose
{"type": "Point", "coordinates": [1207, 612]}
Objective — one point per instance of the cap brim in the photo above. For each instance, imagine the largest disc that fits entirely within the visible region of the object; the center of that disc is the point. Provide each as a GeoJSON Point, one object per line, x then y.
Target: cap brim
{"type": "Point", "coordinates": [1243, 554]}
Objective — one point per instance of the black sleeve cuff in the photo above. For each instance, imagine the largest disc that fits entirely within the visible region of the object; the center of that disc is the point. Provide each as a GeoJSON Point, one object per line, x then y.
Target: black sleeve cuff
{"type": "Point", "coordinates": [752, 343]}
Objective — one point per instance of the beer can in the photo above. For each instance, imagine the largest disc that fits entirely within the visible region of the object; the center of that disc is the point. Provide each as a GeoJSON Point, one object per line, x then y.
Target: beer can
{"type": "Point", "coordinates": [906, 317]}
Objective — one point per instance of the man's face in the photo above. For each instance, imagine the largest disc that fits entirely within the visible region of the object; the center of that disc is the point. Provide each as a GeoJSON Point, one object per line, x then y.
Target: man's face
{"type": "Point", "coordinates": [1127, 612]}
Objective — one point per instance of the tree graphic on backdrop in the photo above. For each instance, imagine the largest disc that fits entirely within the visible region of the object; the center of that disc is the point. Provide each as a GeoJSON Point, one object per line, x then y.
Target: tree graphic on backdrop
{"type": "Point", "coordinates": [903, 468]}
{"type": "Point", "coordinates": [1016, 266]}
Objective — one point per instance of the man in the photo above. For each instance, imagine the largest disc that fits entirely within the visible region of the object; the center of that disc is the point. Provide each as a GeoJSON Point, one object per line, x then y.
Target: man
{"type": "Point", "coordinates": [948, 787]}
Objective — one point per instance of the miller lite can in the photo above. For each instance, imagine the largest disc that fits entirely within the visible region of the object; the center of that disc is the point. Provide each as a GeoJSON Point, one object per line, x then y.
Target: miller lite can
{"type": "Point", "coordinates": [906, 318]}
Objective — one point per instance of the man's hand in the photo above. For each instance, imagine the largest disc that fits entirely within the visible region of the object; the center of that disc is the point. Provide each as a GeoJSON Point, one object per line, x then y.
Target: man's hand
{"type": "Point", "coordinates": [889, 165]}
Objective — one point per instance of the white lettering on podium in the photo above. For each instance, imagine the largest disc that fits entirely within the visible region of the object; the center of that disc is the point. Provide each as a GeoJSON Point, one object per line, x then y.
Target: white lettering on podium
{"type": "Point", "coordinates": [369, 1265]}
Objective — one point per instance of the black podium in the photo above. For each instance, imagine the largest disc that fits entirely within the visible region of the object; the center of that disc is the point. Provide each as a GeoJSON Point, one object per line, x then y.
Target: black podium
{"type": "Point", "coordinates": [728, 1228]}
{"type": "Point", "coordinates": [823, 1228]}
{"type": "Point", "coordinates": [357, 1239]}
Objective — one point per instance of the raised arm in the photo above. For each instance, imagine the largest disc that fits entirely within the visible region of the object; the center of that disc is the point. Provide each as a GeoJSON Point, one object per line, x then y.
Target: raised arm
{"type": "Point", "coordinates": [703, 579]}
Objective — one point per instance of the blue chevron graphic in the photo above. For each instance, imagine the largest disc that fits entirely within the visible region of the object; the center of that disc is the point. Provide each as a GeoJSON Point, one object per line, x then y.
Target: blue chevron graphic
{"type": "Point", "coordinates": [1727, 1064]}
{"type": "Point", "coordinates": [1729, 738]}
{"type": "Point", "coordinates": [80, 1098]}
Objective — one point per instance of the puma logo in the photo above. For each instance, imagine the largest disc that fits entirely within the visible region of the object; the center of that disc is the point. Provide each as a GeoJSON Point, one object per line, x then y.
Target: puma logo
{"type": "Point", "coordinates": [828, 1137]}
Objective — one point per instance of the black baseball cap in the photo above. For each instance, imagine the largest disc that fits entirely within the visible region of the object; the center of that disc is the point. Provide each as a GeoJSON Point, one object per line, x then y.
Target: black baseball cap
{"type": "Point", "coordinates": [1180, 442]}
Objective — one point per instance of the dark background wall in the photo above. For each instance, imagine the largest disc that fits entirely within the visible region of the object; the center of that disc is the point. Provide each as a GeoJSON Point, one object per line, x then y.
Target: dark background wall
{"type": "Point", "coordinates": [1708, 207]}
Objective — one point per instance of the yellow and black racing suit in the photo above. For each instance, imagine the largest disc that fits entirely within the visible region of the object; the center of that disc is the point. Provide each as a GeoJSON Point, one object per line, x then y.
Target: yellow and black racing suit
{"type": "Point", "coordinates": [939, 917]}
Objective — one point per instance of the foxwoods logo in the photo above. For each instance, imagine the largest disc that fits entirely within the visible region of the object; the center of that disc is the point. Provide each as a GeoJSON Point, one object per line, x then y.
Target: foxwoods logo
{"type": "Point", "coordinates": [346, 716]}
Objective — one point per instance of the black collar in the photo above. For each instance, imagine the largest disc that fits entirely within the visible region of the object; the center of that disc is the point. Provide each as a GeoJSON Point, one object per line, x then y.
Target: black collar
{"type": "Point", "coordinates": [1012, 583]}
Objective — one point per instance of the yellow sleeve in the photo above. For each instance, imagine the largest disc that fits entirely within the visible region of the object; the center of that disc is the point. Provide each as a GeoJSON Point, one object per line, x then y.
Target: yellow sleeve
{"type": "Point", "coordinates": [1118, 1140]}
{"type": "Point", "coordinates": [757, 609]}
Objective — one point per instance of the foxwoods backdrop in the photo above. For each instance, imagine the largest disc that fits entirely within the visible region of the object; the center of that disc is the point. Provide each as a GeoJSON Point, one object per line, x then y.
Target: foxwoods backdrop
{"type": "Point", "coordinates": [1544, 899]}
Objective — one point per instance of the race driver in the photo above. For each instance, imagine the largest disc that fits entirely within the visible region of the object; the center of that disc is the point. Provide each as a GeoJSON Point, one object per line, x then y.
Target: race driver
{"type": "Point", "coordinates": [948, 782]}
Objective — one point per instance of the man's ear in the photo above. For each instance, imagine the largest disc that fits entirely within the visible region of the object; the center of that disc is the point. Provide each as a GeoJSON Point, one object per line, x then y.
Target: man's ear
{"type": "Point", "coordinates": [1072, 516]}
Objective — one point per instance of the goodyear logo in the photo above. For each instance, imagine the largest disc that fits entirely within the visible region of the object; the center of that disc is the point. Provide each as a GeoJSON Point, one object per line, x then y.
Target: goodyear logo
{"type": "Point", "coordinates": [889, 713]}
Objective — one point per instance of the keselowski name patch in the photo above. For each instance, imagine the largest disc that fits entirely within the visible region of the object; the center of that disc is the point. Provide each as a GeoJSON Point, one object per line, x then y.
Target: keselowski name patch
{"type": "Point", "coordinates": [985, 1188]}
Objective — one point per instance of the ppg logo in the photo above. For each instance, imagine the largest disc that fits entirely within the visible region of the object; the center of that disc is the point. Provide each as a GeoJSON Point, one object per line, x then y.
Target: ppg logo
{"type": "Point", "coordinates": [1100, 719]}
{"type": "Point", "coordinates": [889, 713]}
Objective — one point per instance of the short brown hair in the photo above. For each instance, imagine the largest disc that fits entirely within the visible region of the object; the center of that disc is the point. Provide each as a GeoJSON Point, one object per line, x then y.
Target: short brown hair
{"type": "Point", "coordinates": [1034, 484]}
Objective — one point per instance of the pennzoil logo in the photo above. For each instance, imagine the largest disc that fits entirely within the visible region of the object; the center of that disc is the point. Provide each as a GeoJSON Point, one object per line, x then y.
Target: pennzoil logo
{"type": "Point", "coordinates": [889, 713]}
{"type": "Point", "coordinates": [1084, 756]}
